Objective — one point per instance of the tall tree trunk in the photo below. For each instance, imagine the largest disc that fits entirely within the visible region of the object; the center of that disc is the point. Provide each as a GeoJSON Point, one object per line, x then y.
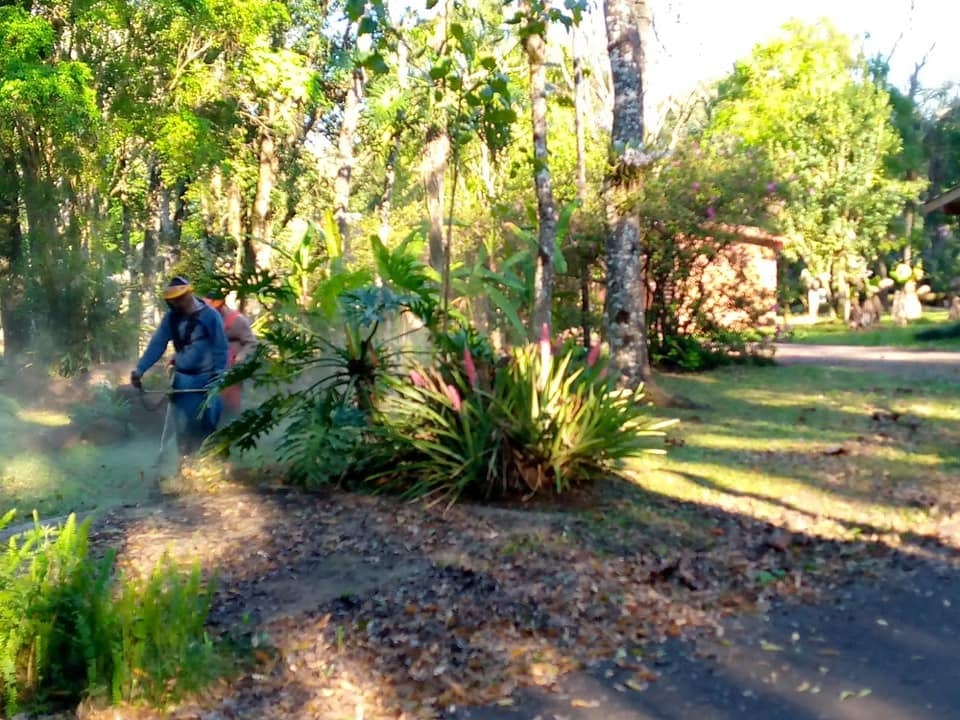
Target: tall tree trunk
{"type": "Point", "coordinates": [909, 221]}
{"type": "Point", "coordinates": [578, 119]}
{"type": "Point", "coordinates": [345, 141]}
{"type": "Point", "coordinates": [14, 318]}
{"type": "Point", "coordinates": [390, 172]}
{"type": "Point", "coordinates": [234, 218]}
{"type": "Point", "coordinates": [134, 296]}
{"type": "Point", "coordinates": [433, 169]}
{"type": "Point", "coordinates": [175, 235]}
{"type": "Point", "coordinates": [256, 248]}
{"type": "Point", "coordinates": [151, 241]}
{"type": "Point", "coordinates": [546, 207]}
{"type": "Point", "coordinates": [389, 179]}
{"type": "Point", "coordinates": [626, 21]}
{"type": "Point", "coordinates": [43, 239]}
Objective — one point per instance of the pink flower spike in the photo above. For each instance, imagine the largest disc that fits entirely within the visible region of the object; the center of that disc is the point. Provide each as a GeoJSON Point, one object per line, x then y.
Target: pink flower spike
{"type": "Point", "coordinates": [417, 379]}
{"type": "Point", "coordinates": [470, 368]}
{"type": "Point", "coordinates": [546, 354]}
{"type": "Point", "coordinates": [694, 186]}
{"type": "Point", "coordinates": [453, 396]}
{"type": "Point", "coordinates": [593, 355]}
{"type": "Point", "coordinates": [711, 213]}
{"type": "Point", "coordinates": [771, 187]}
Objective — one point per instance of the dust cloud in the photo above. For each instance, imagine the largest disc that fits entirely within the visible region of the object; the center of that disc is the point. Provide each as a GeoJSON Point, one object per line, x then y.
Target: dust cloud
{"type": "Point", "coordinates": [78, 444]}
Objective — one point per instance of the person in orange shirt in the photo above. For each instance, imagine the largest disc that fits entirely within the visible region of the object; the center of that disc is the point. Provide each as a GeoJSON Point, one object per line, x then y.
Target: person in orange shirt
{"type": "Point", "coordinates": [241, 342]}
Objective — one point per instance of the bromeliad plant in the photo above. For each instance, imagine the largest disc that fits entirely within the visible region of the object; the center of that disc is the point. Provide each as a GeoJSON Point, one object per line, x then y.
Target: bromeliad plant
{"type": "Point", "coordinates": [438, 438]}
{"type": "Point", "coordinates": [548, 422]}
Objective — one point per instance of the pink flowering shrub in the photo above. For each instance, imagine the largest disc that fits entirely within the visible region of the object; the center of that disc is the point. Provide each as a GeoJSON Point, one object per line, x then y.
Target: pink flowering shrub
{"type": "Point", "coordinates": [551, 420]}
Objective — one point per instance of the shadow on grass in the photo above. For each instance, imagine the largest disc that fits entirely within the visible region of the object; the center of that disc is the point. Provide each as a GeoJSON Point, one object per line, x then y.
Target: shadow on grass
{"type": "Point", "coordinates": [804, 425]}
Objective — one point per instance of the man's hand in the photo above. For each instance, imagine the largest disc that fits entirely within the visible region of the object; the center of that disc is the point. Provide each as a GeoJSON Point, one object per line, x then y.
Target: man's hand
{"type": "Point", "coordinates": [135, 380]}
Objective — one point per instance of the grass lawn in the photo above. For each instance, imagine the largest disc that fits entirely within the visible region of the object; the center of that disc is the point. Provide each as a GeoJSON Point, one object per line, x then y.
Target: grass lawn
{"type": "Point", "coordinates": [837, 453]}
{"type": "Point", "coordinates": [886, 333]}
{"type": "Point", "coordinates": [80, 477]}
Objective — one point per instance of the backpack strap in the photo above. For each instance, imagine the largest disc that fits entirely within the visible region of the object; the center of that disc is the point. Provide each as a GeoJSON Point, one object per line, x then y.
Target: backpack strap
{"type": "Point", "coordinates": [182, 341]}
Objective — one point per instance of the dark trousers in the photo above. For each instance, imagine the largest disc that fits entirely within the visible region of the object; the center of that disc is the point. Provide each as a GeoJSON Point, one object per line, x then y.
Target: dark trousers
{"type": "Point", "coordinates": [195, 419]}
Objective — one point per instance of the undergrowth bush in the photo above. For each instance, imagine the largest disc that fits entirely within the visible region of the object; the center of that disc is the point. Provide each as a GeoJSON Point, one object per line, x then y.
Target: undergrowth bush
{"type": "Point", "coordinates": [104, 403]}
{"type": "Point", "coordinates": [324, 442]}
{"type": "Point", "coordinates": [721, 347]}
{"type": "Point", "coordinates": [71, 627]}
{"type": "Point", "coordinates": [341, 408]}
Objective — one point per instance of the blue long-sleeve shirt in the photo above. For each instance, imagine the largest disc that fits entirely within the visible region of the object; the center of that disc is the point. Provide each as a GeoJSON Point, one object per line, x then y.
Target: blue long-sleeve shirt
{"type": "Point", "coordinates": [204, 352]}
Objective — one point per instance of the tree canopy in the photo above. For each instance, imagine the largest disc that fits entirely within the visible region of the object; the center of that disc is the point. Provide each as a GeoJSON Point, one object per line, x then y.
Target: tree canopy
{"type": "Point", "coordinates": [810, 105]}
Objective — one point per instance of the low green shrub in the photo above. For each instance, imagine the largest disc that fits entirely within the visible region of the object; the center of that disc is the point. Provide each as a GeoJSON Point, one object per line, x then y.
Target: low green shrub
{"type": "Point", "coordinates": [70, 627]}
{"type": "Point", "coordinates": [104, 403]}
{"type": "Point", "coordinates": [324, 442]}
{"type": "Point", "coordinates": [436, 438]}
{"type": "Point", "coordinates": [548, 422]}
{"type": "Point", "coordinates": [42, 573]}
{"type": "Point", "coordinates": [160, 647]}
{"type": "Point", "coordinates": [688, 353]}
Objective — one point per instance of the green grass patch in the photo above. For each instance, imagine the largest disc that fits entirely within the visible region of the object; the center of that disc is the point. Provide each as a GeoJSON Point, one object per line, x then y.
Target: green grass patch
{"type": "Point", "coordinates": [72, 627]}
{"type": "Point", "coordinates": [834, 452]}
{"type": "Point", "coordinates": [887, 333]}
{"type": "Point", "coordinates": [40, 472]}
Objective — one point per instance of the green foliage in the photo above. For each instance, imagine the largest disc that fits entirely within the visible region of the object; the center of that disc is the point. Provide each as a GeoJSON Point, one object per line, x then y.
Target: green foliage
{"type": "Point", "coordinates": [324, 442]}
{"type": "Point", "coordinates": [315, 270]}
{"type": "Point", "coordinates": [700, 205]}
{"type": "Point", "coordinates": [104, 403]}
{"type": "Point", "coordinates": [320, 371]}
{"type": "Point", "coordinates": [436, 440]}
{"type": "Point", "coordinates": [691, 353]}
{"type": "Point", "coordinates": [823, 123]}
{"type": "Point", "coordinates": [340, 412]}
{"type": "Point", "coordinates": [547, 423]}
{"type": "Point", "coordinates": [160, 648]}
{"type": "Point", "coordinates": [69, 627]}
{"type": "Point", "coordinates": [186, 145]}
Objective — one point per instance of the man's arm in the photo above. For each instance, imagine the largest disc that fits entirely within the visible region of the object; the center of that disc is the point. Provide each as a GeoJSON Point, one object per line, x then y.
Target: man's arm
{"type": "Point", "coordinates": [243, 334]}
{"type": "Point", "coordinates": [156, 347]}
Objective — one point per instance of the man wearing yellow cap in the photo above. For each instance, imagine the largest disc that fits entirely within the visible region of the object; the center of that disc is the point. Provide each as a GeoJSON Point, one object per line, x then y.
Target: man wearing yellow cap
{"type": "Point", "coordinates": [200, 345]}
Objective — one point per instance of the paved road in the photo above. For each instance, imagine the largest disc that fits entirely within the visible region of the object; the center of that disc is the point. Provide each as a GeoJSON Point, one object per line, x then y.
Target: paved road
{"type": "Point", "coordinates": [877, 652]}
{"type": "Point", "coordinates": [880, 359]}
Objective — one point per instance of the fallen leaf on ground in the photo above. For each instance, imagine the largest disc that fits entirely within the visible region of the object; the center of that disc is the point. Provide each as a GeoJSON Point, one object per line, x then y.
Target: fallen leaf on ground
{"type": "Point", "coordinates": [847, 694]}
{"type": "Point", "coordinates": [577, 702]}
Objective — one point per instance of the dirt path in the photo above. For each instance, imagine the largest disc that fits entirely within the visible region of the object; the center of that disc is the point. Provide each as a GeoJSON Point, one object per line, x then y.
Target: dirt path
{"type": "Point", "coordinates": [370, 607]}
{"type": "Point", "coordinates": [914, 363]}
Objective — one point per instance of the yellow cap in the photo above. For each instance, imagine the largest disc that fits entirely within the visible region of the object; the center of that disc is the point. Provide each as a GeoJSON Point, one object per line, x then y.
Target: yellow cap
{"type": "Point", "coordinates": [177, 287]}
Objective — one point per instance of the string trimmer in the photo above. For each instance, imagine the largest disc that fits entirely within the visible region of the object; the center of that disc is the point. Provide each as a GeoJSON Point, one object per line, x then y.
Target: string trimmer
{"type": "Point", "coordinates": [168, 415]}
